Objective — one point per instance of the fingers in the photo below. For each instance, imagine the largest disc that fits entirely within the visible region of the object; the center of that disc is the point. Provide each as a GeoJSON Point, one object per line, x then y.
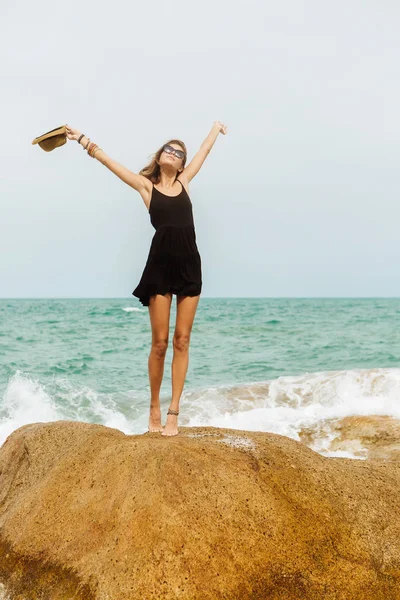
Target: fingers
{"type": "Point", "coordinates": [223, 128]}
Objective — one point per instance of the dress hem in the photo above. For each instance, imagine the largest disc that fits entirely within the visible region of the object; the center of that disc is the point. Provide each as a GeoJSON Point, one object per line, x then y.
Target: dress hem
{"type": "Point", "coordinates": [145, 298]}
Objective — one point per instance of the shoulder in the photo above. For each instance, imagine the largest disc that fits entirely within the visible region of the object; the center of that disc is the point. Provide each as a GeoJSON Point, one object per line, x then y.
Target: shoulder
{"type": "Point", "coordinates": [184, 181]}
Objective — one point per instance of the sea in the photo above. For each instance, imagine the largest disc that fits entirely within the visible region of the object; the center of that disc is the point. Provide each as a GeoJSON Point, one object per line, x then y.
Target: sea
{"type": "Point", "coordinates": [308, 368]}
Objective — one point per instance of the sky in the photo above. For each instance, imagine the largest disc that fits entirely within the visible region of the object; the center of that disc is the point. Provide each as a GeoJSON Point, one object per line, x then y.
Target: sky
{"type": "Point", "coordinates": [299, 199]}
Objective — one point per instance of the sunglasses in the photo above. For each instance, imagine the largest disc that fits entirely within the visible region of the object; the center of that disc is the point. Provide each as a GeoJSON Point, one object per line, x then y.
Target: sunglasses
{"type": "Point", "coordinates": [170, 150]}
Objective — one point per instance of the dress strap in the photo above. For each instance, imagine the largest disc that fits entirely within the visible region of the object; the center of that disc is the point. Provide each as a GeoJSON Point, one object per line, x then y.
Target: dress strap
{"type": "Point", "coordinates": [180, 183]}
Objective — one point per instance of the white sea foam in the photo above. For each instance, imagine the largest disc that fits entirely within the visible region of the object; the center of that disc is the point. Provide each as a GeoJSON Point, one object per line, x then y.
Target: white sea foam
{"type": "Point", "coordinates": [27, 401]}
{"type": "Point", "coordinates": [289, 404]}
{"type": "Point", "coordinates": [286, 405]}
{"type": "Point", "coordinates": [132, 309]}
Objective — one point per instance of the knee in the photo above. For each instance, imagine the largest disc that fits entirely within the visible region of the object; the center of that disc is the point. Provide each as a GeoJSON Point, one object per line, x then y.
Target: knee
{"type": "Point", "coordinates": [181, 341]}
{"type": "Point", "coordinates": [159, 347]}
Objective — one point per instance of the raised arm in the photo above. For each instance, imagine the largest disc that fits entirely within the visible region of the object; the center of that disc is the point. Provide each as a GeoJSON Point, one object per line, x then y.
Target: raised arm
{"type": "Point", "coordinates": [138, 182]}
{"type": "Point", "coordinates": [196, 163]}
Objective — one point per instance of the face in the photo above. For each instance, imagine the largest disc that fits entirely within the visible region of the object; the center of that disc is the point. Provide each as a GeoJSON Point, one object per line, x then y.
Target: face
{"type": "Point", "coordinates": [168, 156]}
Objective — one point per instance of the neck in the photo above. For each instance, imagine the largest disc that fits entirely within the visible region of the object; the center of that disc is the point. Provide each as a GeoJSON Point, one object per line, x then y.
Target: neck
{"type": "Point", "coordinates": [167, 180]}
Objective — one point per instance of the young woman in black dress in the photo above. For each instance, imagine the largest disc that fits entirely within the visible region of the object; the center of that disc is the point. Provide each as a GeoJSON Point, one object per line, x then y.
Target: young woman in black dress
{"type": "Point", "coordinates": [173, 265]}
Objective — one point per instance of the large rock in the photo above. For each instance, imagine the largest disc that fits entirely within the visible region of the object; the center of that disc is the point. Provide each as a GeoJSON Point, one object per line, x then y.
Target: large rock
{"type": "Point", "coordinates": [364, 436]}
{"type": "Point", "coordinates": [209, 514]}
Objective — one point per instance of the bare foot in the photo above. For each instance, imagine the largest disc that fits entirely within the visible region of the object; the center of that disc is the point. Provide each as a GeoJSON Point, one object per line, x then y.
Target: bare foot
{"type": "Point", "coordinates": [155, 419]}
{"type": "Point", "coordinates": [171, 427]}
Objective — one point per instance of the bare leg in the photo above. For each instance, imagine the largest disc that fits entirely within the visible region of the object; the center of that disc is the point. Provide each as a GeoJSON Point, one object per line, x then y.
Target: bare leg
{"type": "Point", "coordinates": [159, 310]}
{"type": "Point", "coordinates": [185, 312]}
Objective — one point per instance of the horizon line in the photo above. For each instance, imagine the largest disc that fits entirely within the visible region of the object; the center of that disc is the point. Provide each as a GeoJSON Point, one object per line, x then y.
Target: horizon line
{"type": "Point", "coordinates": [208, 298]}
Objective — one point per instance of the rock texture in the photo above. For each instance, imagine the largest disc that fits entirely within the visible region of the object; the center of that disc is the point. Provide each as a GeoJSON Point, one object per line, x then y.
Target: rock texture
{"type": "Point", "coordinates": [370, 436]}
{"type": "Point", "coordinates": [87, 512]}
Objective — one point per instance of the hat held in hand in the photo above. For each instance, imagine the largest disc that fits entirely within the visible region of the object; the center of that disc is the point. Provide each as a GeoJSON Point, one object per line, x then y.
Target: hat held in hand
{"type": "Point", "coordinates": [52, 139]}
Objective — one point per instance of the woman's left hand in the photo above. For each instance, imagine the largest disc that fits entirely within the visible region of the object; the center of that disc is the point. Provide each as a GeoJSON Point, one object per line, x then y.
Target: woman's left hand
{"type": "Point", "coordinates": [72, 134]}
{"type": "Point", "coordinates": [222, 128]}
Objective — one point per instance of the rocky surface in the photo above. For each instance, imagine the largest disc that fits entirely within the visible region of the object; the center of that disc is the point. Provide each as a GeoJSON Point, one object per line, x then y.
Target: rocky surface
{"type": "Point", "coordinates": [87, 512]}
{"type": "Point", "coordinates": [362, 436]}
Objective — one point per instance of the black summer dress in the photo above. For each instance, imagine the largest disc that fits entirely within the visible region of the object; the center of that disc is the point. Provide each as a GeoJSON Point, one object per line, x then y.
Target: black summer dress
{"type": "Point", "coordinates": [174, 263]}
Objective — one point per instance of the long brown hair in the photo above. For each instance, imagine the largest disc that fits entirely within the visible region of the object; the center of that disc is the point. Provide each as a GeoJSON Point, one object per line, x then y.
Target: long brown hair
{"type": "Point", "coordinates": [152, 171]}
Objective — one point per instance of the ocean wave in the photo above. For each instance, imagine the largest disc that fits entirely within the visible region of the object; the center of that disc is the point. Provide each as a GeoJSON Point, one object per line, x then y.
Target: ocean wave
{"type": "Point", "coordinates": [308, 408]}
{"type": "Point", "coordinates": [336, 413]}
{"type": "Point", "coordinates": [26, 400]}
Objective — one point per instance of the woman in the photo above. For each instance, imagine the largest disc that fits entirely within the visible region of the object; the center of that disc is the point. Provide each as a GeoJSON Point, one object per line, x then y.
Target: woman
{"type": "Point", "coordinates": [173, 265]}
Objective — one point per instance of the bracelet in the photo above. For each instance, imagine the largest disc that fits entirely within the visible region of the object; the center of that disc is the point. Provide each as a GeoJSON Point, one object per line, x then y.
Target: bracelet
{"type": "Point", "coordinates": [80, 137]}
{"type": "Point", "coordinates": [85, 147]}
{"type": "Point", "coordinates": [92, 146]}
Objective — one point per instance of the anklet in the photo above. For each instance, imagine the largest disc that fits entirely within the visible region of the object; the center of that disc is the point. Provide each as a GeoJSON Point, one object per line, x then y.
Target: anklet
{"type": "Point", "coordinates": [173, 412]}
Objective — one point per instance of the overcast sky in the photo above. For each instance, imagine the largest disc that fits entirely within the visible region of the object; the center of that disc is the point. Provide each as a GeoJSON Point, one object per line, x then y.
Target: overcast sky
{"type": "Point", "coordinates": [301, 198]}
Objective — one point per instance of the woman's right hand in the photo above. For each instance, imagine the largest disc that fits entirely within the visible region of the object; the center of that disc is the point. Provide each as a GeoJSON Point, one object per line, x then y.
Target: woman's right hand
{"type": "Point", "coordinates": [72, 134]}
{"type": "Point", "coordinates": [221, 127]}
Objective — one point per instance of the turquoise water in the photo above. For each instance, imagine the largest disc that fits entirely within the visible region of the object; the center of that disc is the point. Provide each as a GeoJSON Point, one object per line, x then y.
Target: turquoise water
{"type": "Point", "coordinates": [87, 358]}
{"type": "Point", "coordinates": [99, 344]}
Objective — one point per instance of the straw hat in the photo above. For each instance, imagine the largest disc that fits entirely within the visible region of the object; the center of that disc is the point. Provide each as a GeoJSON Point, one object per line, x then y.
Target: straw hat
{"type": "Point", "coordinates": [52, 139]}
